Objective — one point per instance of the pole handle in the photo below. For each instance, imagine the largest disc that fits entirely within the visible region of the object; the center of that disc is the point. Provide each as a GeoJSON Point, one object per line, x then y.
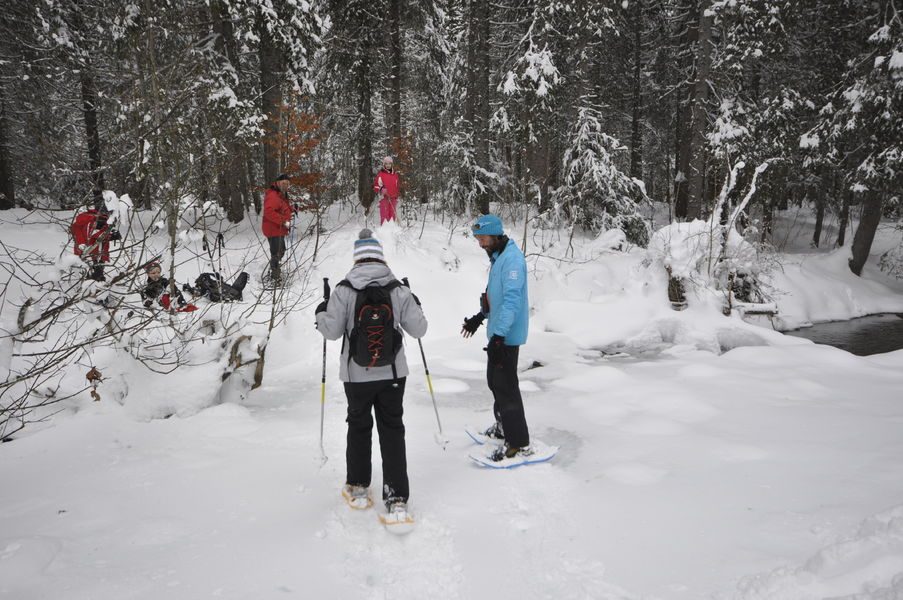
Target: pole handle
{"type": "Point", "coordinates": [326, 288]}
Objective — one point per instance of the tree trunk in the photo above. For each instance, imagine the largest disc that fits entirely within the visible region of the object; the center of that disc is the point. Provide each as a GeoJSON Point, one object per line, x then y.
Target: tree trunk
{"type": "Point", "coordinates": [767, 221]}
{"type": "Point", "coordinates": [865, 233]}
{"type": "Point", "coordinates": [271, 98]}
{"type": "Point", "coordinates": [478, 94]}
{"type": "Point", "coordinates": [89, 102]}
{"type": "Point", "coordinates": [636, 138]}
{"type": "Point", "coordinates": [365, 130]}
{"type": "Point", "coordinates": [699, 117]}
{"type": "Point", "coordinates": [681, 161]}
{"type": "Point", "coordinates": [844, 219]}
{"type": "Point", "coordinates": [232, 182]}
{"type": "Point", "coordinates": [7, 188]}
{"type": "Point", "coordinates": [819, 218]}
{"type": "Point", "coordinates": [394, 108]}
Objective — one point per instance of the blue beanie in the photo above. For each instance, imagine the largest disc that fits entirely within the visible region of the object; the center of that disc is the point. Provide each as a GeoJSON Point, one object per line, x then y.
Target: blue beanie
{"type": "Point", "coordinates": [488, 225]}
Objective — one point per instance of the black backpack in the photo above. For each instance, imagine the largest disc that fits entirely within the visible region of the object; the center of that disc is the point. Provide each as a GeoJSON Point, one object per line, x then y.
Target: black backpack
{"type": "Point", "coordinates": [374, 340]}
{"type": "Point", "coordinates": [217, 290]}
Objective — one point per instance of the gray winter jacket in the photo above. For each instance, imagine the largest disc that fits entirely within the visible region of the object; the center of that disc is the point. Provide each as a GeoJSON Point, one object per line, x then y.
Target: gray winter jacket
{"type": "Point", "coordinates": [338, 320]}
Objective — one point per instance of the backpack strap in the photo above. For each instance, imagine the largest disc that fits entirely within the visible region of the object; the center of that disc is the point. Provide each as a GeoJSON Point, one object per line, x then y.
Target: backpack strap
{"type": "Point", "coordinates": [389, 287]}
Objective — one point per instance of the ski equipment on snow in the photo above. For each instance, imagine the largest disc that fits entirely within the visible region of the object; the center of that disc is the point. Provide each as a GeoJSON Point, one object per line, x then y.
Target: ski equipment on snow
{"type": "Point", "coordinates": [323, 456]}
{"type": "Point", "coordinates": [490, 435]}
{"type": "Point", "coordinates": [440, 437]}
{"type": "Point", "coordinates": [536, 452]}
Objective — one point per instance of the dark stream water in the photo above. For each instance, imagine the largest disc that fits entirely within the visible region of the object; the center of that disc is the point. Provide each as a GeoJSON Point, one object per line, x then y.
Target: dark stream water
{"type": "Point", "coordinates": [867, 335]}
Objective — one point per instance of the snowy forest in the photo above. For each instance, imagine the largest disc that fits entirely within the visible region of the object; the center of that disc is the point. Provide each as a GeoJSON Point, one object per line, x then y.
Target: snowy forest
{"type": "Point", "coordinates": [583, 111]}
{"type": "Point", "coordinates": [697, 191]}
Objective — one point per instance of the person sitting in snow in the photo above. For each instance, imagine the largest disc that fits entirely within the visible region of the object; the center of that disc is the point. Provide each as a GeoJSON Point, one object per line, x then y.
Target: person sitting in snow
{"type": "Point", "coordinates": [92, 236]}
{"type": "Point", "coordinates": [157, 289]}
{"type": "Point", "coordinates": [378, 384]}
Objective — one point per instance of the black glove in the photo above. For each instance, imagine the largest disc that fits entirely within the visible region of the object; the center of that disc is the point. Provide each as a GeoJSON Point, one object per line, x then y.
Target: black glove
{"type": "Point", "coordinates": [321, 307]}
{"type": "Point", "coordinates": [115, 236]}
{"type": "Point", "coordinates": [472, 324]}
{"type": "Point", "coordinates": [497, 350]}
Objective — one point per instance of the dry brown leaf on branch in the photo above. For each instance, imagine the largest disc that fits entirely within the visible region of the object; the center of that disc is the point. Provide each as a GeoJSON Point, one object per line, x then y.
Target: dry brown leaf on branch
{"type": "Point", "coordinates": [94, 375]}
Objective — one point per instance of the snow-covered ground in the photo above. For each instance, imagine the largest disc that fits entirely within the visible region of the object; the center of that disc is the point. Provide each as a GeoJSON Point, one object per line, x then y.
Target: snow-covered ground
{"type": "Point", "coordinates": [709, 458]}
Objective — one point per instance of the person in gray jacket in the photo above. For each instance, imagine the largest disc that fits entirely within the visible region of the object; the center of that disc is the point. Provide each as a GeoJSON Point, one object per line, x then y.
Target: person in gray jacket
{"type": "Point", "coordinates": [378, 388]}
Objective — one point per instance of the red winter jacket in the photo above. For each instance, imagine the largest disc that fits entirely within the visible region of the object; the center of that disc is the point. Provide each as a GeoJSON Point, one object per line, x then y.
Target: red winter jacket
{"type": "Point", "coordinates": [89, 230]}
{"type": "Point", "coordinates": [389, 180]}
{"type": "Point", "coordinates": [276, 212]}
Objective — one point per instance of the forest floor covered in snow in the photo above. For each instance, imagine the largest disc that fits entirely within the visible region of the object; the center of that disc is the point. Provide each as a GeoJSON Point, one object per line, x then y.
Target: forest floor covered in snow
{"type": "Point", "coordinates": [701, 456]}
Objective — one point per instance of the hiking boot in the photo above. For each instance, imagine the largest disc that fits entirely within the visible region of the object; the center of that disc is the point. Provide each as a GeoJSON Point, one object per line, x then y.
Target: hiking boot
{"type": "Point", "coordinates": [495, 432]}
{"type": "Point", "coordinates": [396, 507]}
{"type": "Point", "coordinates": [505, 451]}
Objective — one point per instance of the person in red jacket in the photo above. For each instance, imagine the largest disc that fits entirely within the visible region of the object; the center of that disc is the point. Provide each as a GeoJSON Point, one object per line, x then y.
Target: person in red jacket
{"type": "Point", "coordinates": [277, 221]}
{"type": "Point", "coordinates": [385, 186]}
{"type": "Point", "coordinates": [92, 236]}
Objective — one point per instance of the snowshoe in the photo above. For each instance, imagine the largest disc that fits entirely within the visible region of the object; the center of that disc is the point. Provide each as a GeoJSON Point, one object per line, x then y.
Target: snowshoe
{"type": "Point", "coordinates": [493, 433]}
{"type": "Point", "coordinates": [507, 457]}
{"type": "Point", "coordinates": [357, 496]}
{"type": "Point", "coordinates": [397, 519]}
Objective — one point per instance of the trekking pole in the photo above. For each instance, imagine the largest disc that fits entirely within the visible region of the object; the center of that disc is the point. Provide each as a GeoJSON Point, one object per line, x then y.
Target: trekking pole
{"type": "Point", "coordinates": [323, 456]}
{"type": "Point", "coordinates": [440, 436]}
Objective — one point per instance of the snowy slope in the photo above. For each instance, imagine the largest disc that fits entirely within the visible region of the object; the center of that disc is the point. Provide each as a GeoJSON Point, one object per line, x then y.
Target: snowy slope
{"type": "Point", "coordinates": [712, 459]}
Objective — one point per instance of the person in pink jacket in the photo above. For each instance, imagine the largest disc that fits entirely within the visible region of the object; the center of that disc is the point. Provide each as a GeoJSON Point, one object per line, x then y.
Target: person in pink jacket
{"type": "Point", "coordinates": [385, 186]}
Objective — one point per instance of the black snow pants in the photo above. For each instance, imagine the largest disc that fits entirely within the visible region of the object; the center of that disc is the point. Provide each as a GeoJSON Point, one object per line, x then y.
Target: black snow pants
{"type": "Point", "coordinates": [277, 250]}
{"type": "Point", "coordinates": [384, 398]}
{"type": "Point", "coordinates": [508, 406]}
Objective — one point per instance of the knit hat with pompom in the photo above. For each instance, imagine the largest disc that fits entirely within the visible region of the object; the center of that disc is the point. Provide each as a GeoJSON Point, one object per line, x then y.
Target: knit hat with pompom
{"type": "Point", "coordinates": [366, 246]}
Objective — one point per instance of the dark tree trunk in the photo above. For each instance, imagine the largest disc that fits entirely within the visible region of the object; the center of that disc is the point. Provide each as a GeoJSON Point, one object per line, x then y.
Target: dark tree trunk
{"type": "Point", "coordinates": [365, 130]}
{"type": "Point", "coordinates": [271, 97]}
{"type": "Point", "coordinates": [844, 219]}
{"type": "Point", "coordinates": [481, 151]}
{"type": "Point", "coordinates": [636, 138]}
{"type": "Point", "coordinates": [7, 187]}
{"type": "Point", "coordinates": [699, 118]}
{"type": "Point", "coordinates": [89, 102]}
{"type": "Point", "coordinates": [682, 162]}
{"type": "Point", "coordinates": [394, 108]}
{"type": "Point", "coordinates": [767, 221]}
{"type": "Point", "coordinates": [865, 233]}
{"type": "Point", "coordinates": [819, 218]}
{"type": "Point", "coordinates": [232, 182]}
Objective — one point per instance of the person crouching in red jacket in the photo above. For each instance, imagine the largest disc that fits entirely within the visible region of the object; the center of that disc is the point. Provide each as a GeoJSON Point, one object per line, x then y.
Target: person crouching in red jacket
{"type": "Point", "coordinates": [385, 186]}
{"type": "Point", "coordinates": [92, 236]}
{"type": "Point", "coordinates": [277, 221]}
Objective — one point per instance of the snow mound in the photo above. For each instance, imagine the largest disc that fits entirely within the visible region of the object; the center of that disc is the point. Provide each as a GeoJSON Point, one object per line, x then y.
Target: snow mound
{"type": "Point", "coordinates": [868, 565]}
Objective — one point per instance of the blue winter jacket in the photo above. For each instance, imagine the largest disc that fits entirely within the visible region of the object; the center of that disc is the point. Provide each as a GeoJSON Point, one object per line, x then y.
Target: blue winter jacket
{"type": "Point", "coordinates": [509, 310]}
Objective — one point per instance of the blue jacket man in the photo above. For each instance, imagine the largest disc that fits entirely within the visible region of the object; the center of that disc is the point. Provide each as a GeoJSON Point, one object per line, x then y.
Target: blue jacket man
{"type": "Point", "coordinates": [505, 303]}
